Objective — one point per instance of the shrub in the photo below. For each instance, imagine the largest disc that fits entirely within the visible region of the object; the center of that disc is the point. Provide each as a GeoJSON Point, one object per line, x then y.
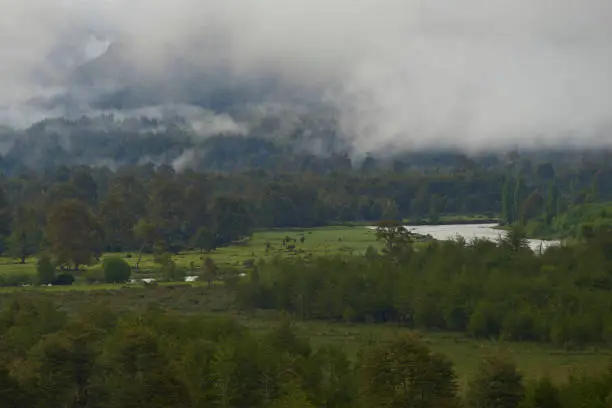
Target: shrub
{"type": "Point", "coordinates": [230, 277]}
{"type": "Point", "coordinates": [116, 270]}
{"type": "Point", "coordinates": [496, 384]}
{"type": "Point", "coordinates": [63, 279]}
{"type": "Point", "coordinates": [45, 270]}
{"type": "Point", "coordinates": [15, 279]}
{"type": "Point", "coordinates": [94, 275]}
{"type": "Point", "coordinates": [170, 272]}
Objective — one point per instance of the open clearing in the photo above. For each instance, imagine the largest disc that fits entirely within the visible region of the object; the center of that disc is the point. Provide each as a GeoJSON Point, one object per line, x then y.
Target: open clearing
{"type": "Point", "coordinates": [317, 242]}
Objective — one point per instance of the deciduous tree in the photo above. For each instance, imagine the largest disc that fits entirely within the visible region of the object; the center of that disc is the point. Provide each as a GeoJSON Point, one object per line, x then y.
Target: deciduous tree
{"type": "Point", "coordinates": [73, 233]}
{"type": "Point", "coordinates": [26, 237]}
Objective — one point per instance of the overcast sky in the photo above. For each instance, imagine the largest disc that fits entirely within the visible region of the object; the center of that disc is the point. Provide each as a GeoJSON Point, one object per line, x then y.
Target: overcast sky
{"type": "Point", "coordinates": [402, 72]}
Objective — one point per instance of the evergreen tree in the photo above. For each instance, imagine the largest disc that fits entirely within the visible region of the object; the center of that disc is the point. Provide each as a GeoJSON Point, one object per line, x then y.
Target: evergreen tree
{"type": "Point", "coordinates": [507, 203]}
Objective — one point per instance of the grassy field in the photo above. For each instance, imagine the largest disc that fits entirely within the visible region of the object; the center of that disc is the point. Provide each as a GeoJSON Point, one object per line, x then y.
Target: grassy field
{"type": "Point", "coordinates": [317, 242]}
{"type": "Point", "coordinates": [533, 360]}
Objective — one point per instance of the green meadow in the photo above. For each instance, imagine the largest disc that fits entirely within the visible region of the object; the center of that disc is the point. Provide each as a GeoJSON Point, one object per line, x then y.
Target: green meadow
{"type": "Point", "coordinates": [262, 245]}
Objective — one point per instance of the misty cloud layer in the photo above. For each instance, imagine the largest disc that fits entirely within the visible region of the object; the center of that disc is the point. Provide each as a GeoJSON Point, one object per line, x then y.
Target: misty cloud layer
{"type": "Point", "coordinates": [405, 73]}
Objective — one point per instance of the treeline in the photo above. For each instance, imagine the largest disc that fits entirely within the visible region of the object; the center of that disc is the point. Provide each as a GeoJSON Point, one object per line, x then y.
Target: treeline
{"type": "Point", "coordinates": [91, 210]}
{"type": "Point", "coordinates": [99, 359]}
{"type": "Point", "coordinates": [485, 289]}
{"type": "Point", "coordinates": [551, 205]}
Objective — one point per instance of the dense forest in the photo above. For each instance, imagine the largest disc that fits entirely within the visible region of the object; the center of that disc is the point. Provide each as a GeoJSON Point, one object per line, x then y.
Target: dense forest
{"type": "Point", "coordinates": [96, 358]}
{"type": "Point", "coordinates": [485, 289]}
{"type": "Point", "coordinates": [136, 208]}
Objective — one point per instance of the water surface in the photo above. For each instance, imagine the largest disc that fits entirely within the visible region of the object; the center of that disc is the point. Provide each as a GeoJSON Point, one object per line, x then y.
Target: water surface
{"type": "Point", "coordinates": [471, 231]}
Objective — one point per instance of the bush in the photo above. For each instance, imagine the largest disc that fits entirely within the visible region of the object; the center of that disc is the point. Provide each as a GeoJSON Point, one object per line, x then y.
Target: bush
{"type": "Point", "coordinates": [170, 272]}
{"type": "Point", "coordinates": [63, 279]}
{"type": "Point", "coordinates": [542, 394]}
{"type": "Point", "coordinates": [94, 275]}
{"type": "Point", "coordinates": [15, 279]}
{"type": "Point", "coordinates": [230, 277]}
{"type": "Point", "coordinates": [116, 270]}
{"type": "Point", "coordinates": [45, 270]}
{"type": "Point", "coordinates": [496, 384]}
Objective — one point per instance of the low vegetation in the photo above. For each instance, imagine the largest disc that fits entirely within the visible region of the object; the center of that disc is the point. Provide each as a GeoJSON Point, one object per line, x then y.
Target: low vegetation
{"type": "Point", "coordinates": [93, 356]}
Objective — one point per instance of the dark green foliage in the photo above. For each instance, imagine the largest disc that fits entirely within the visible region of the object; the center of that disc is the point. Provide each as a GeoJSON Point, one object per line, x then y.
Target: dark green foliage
{"type": "Point", "coordinates": [209, 271]}
{"type": "Point", "coordinates": [542, 394]}
{"type": "Point", "coordinates": [26, 236]}
{"type": "Point", "coordinates": [116, 270]}
{"type": "Point", "coordinates": [95, 358]}
{"type": "Point", "coordinates": [45, 270]}
{"type": "Point", "coordinates": [156, 360]}
{"type": "Point", "coordinates": [73, 233]}
{"type": "Point", "coordinates": [485, 289]}
{"type": "Point", "coordinates": [12, 395]}
{"type": "Point", "coordinates": [232, 220]}
{"type": "Point", "coordinates": [515, 238]}
{"type": "Point", "coordinates": [17, 279]}
{"type": "Point", "coordinates": [169, 270]}
{"type": "Point", "coordinates": [204, 239]}
{"type": "Point", "coordinates": [396, 237]}
{"type": "Point", "coordinates": [496, 385]}
{"type": "Point", "coordinates": [405, 373]}
{"type": "Point", "coordinates": [508, 215]}
{"type": "Point", "coordinates": [63, 279]}
{"type": "Point", "coordinates": [229, 276]}
{"type": "Point", "coordinates": [86, 211]}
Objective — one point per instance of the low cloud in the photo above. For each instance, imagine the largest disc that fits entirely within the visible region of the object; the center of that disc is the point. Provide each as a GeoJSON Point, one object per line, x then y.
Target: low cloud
{"type": "Point", "coordinates": [411, 74]}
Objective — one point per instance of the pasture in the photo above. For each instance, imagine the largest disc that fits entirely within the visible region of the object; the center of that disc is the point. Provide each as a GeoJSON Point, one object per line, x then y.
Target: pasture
{"type": "Point", "coordinates": [262, 245]}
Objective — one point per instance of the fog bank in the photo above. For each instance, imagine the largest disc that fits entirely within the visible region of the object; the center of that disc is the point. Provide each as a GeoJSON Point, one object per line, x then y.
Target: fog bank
{"type": "Point", "coordinates": [404, 73]}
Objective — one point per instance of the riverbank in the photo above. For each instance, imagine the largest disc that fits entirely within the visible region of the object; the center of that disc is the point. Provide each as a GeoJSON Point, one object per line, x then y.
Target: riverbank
{"type": "Point", "coordinates": [451, 220]}
{"type": "Point", "coordinates": [534, 231]}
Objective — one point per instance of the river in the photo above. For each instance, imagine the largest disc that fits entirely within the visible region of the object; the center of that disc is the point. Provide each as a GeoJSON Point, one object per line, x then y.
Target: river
{"type": "Point", "coordinates": [471, 231]}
